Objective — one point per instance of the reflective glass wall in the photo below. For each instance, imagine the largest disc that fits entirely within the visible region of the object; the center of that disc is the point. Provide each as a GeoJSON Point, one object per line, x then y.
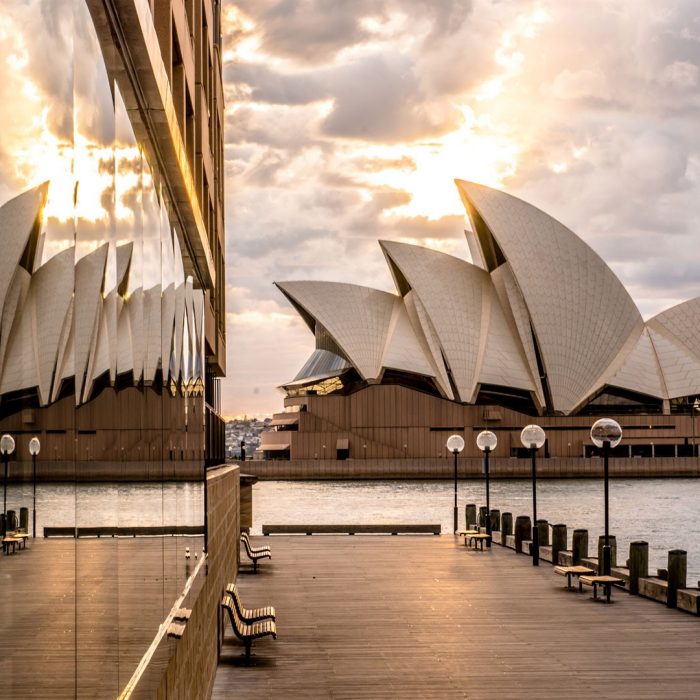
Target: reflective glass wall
{"type": "Point", "coordinates": [101, 359]}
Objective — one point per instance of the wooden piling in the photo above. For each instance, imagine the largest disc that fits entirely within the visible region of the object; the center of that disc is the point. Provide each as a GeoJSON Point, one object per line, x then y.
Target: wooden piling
{"type": "Point", "coordinates": [523, 531]}
{"type": "Point", "coordinates": [470, 515]}
{"type": "Point", "coordinates": [543, 532]}
{"type": "Point", "coordinates": [613, 551]}
{"type": "Point", "coordinates": [579, 546]}
{"type": "Point", "coordinates": [506, 527]}
{"type": "Point", "coordinates": [495, 520]}
{"type": "Point", "coordinates": [638, 564]}
{"type": "Point", "coordinates": [677, 571]}
{"type": "Point", "coordinates": [559, 541]}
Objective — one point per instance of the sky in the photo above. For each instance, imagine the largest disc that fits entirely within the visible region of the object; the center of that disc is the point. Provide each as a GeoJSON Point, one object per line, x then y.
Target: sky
{"type": "Point", "coordinates": [347, 122]}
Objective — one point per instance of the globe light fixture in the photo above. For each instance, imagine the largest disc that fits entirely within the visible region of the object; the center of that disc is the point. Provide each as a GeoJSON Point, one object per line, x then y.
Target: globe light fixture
{"type": "Point", "coordinates": [486, 441]}
{"type": "Point", "coordinates": [455, 444]}
{"type": "Point", "coordinates": [532, 438]}
{"type": "Point", "coordinates": [34, 448]}
{"type": "Point", "coordinates": [606, 433]}
{"type": "Point", "coordinates": [7, 446]}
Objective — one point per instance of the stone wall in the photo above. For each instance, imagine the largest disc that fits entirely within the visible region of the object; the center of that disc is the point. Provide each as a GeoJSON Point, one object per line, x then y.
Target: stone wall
{"type": "Point", "coordinates": [470, 467]}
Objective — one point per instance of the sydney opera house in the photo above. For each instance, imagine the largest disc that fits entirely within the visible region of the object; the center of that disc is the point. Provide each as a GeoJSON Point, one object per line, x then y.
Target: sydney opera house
{"type": "Point", "coordinates": [537, 327]}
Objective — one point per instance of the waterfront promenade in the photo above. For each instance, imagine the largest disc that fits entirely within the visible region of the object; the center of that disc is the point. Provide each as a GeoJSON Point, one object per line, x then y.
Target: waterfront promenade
{"type": "Point", "coordinates": [423, 617]}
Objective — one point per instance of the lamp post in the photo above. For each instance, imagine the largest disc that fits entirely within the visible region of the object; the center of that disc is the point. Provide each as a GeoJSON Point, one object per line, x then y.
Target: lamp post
{"type": "Point", "coordinates": [455, 444]}
{"type": "Point", "coordinates": [533, 437]}
{"type": "Point", "coordinates": [486, 441]}
{"type": "Point", "coordinates": [606, 433]}
{"type": "Point", "coordinates": [7, 446]}
{"type": "Point", "coordinates": [34, 447]}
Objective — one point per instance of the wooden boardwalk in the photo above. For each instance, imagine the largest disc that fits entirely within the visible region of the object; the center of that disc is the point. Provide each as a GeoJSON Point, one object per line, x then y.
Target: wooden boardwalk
{"type": "Point", "coordinates": [423, 617]}
{"type": "Point", "coordinates": [125, 588]}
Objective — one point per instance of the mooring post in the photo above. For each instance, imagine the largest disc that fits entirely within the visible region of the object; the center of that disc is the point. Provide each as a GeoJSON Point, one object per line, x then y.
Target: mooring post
{"type": "Point", "coordinates": [638, 564]}
{"type": "Point", "coordinates": [523, 531]}
{"type": "Point", "coordinates": [579, 546]}
{"type": "Point", "coordinates": [558, 541]}
{"type": "Point", "coordinates": [495, 516]}
{"type": "Point", "coordinates": [543, 532]}
{"type": "Point", "coordinates": [677, 570]}
{"type": "Point", "coordinates": [506, 527]}
{"type": "Point", "coordinates": [470, 515]}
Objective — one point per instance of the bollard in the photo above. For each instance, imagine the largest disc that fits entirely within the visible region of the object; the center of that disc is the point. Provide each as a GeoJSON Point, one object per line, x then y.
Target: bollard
{"type": "Point", "coordinates": [495, 520]}
{"type": "Point", "coordinates": [638, 564]}
{"type": "Point", "coordinates": [482, 516]}
{"type": "Point", "coordinates": [613, 552]}
{"type": "Point", "coordinates": [677, 570]}
{"type": "Point", "coordinates": [470, 515]}
{"type": "Point", "coordinates": [11, 520]}
{"type": "Point", "coordinates": [579, 546]}
{"type": "Point", "coordinates": [558, 541]}
{"type": "Point", "coordinates": [24, 519]}
{"type": "Point", "coordinates": [523, 531]}
{"type": "Point", "coordinates": [543, 532]}
{"type": "Point", "coordinates": [506, 527]}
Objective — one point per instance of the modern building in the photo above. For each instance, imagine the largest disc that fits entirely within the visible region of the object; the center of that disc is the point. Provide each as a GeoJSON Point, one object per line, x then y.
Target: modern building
{"type": "Point", "coordinates": [112, 274]}
{"type": "Point", "coordinates": [537, 328]}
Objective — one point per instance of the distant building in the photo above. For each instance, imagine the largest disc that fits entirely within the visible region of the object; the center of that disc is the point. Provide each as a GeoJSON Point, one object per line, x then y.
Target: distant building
{"type": "Point", "coordinates": [112, 285]}
{"type": "Point", "coordinates": [538, 328]}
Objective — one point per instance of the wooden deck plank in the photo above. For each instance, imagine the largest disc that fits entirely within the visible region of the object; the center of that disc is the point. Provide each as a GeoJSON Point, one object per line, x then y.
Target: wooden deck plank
{"type": "Point", "coordinates": [375, 617]}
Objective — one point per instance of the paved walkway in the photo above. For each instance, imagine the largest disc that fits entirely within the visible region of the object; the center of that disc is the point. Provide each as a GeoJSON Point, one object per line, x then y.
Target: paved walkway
{"type": "Point", "coordinates": [422, 617]}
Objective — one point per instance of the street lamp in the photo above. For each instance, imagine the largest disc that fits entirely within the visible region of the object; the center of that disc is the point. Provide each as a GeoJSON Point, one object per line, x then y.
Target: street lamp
{"type": "Point", "coordinates": [486, 441]}
{"type": "Point", "coordinates": [533, 437]}
{"type": "Point", "coordinates": [455, 444]}
{"type": "Point", "coordinates": [34, 447]}
{"type": "Point", "coordinates": [7, 446]}
{"type": "Point", "coordinates": [606, 433]}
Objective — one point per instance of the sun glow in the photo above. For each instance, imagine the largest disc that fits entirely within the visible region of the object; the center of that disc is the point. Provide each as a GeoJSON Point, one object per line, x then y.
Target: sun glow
{"type": "Point", "coordinates": [485, 148]}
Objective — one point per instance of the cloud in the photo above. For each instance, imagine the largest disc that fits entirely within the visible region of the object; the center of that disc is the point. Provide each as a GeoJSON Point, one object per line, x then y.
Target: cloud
{"type": "Point", "coordinates": [348, 126]}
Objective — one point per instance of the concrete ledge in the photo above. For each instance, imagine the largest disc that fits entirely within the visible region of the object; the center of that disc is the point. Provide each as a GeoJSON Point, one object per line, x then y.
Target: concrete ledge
{"type": "Point", "coordinates": [566, 558]}
{"type": "Point", "coordinates": [546, 553]}
{"type": "Point", "coordinates": [689, 600]}
{"type": "Point", "coordinates": [653, 588]}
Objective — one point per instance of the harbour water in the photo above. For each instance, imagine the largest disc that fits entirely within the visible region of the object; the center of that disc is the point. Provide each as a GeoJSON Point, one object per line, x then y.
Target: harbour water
{"type": "Point", "coordinates": [663, 512]}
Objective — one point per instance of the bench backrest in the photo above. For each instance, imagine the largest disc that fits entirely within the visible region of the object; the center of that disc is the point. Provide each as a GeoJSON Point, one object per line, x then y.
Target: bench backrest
{"type": "Point", "coordinates": [232, 591]}
{"type": "Point", "coordinates": [236, 622]}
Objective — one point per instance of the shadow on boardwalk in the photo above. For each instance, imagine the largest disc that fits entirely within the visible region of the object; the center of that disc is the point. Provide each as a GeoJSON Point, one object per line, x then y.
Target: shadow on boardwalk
{"type": "Point", "coordinates": [422, 617]}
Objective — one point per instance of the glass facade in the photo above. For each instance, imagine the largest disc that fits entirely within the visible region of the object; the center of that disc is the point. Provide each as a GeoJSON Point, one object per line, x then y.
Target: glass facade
{"type": "Point", "coordinates": [102, 358]}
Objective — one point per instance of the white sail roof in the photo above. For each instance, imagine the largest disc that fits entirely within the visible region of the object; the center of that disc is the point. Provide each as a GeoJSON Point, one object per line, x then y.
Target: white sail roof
{"type": "Point", "coordinates": [356, 317]}
{"type": "Point", "coordinates": [581, 313]}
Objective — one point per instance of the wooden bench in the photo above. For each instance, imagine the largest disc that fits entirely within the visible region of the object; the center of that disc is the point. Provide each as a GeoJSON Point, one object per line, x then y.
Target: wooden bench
{"type": "Point", "coordinates": [354, 528]}
{"type": "Point", "coordinates": [607, 582]}
{"type": "Point", "coordinates": [247, 632]}
{"type": "Point", "coordinates": [477, 538]}
{"type": "Point", "coordinates": [249, 615]}
{"type": "Point", "coordinates": [255, 553]}
{"type": "Point", "coordinates": [571, 571]}
{"type": "Point", "coordinates": [14, 539]}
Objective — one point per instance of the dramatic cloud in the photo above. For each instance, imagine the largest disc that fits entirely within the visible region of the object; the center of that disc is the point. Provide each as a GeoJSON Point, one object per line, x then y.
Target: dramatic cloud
{"type": "Point", "coordinates": [348, 121]}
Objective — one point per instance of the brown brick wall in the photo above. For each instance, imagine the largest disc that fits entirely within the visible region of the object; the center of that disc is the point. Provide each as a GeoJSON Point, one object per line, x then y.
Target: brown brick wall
{"type": "Point", "coordinates": [192, 667]}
